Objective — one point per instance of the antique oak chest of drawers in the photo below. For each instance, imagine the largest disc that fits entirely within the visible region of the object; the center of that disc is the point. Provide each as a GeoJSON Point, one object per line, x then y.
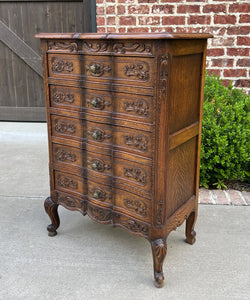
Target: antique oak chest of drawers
{"type": "Point", "coordinates": [124, 126]}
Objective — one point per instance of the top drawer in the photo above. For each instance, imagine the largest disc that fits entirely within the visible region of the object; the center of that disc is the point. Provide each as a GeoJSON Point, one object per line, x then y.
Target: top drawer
{"type": "Point", "coordinates": [120, 70]}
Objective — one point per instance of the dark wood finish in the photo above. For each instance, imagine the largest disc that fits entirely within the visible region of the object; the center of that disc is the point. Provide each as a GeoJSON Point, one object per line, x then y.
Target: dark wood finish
{"type": "Point", "coordinates": [124, 123]}
{"type": "Point", "coordinates": [22, 91]}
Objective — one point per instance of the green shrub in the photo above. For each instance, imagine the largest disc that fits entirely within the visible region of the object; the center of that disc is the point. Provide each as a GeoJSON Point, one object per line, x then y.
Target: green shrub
{"type": "Point", "coordinates": [225, 134]}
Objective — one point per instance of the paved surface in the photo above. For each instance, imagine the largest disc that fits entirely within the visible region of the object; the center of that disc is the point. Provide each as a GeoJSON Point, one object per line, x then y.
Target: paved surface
{"type": "Point", "coordinates": [87, 260]}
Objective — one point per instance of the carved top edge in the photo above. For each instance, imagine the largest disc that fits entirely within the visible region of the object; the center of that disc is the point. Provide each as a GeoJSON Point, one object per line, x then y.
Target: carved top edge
{"type": "Point", "coordinates": [122, 36]}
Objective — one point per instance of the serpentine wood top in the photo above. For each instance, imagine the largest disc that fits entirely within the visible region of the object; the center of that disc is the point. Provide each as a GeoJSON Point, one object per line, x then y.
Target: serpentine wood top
{"type": "Point", "coordinates": [118, 36]}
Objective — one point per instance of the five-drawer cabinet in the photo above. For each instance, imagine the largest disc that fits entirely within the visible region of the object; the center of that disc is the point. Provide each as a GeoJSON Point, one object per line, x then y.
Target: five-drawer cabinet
{"type": "Point", "coordinates": [124, 127]}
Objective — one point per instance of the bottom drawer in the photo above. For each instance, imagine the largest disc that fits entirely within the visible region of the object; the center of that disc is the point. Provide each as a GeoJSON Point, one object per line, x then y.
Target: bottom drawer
{"type": "Point", "coordinates": [71, 202]}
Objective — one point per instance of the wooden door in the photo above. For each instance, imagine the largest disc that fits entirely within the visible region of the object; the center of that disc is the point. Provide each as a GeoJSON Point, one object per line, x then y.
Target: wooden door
{"type": "Point", "coordinates": [21, 83]}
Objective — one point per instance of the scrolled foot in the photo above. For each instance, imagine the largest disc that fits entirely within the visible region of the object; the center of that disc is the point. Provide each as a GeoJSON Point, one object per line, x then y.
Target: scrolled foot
{"type": "Point", "coordinates": [159, 251]}
{"type": "Point", "coordinates": [51, 209]}
{"type": "Point", "coordinates": [190, 233]}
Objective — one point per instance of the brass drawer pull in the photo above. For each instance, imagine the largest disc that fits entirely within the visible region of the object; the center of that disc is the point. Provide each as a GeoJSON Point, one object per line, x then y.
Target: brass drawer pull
{"type": "Point", "coordinates": [97, 195]}
{"type": "Point", "coordinates": [97, 135]}
{"type": "Point", "coordinates": [95, 69]}
{"type": "Point", "coordinates": [96, 165]}
{"type": "Point", "coordinates": [95, 102]}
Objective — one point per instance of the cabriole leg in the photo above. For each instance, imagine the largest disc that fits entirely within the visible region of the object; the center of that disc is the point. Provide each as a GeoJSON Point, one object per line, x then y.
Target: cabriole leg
{"type": "Point", "coordinates": [51, 210]}
{"type": "Point", "coordinates": [159, 250]}
{"type": "Point", "coordinates": [190, 233]}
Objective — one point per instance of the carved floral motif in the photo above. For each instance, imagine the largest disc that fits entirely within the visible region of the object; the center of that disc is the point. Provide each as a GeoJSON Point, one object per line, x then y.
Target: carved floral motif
{"type": "Point", "coordinates": [133, 225]}
{"type": "Point", "coordinates": [63, 46]}
{"type": "Point", "coordinates": [137, 174]}
{"type": "Point", "coordinates": [99, 214]}
{"type": "Point", "coordinates": [163, 75]}
{"type": "Point", "coordinates": [62, 155]}
{"type": "Point", "coordinates": [95, 47]}
{"type": "Point", "coordinates": [140, 70]}
{"type": "Point", "coordinates": [159, 213]}
{"type": "Point", "coordinates": [66, 182]}
{"type": "Point", "coordinates": [137, 205]}
{"type": "Point", "coordinates": [134, 47]}
{"type": "Point", "coordinates": [138, 141]}
{"type": "Point", "coordinates": [62, 127]}
{"type": "Point", "coordinates": [139, 107]}
{"type": "Point", "coordinates": [59, 65]}
{"type": "Point", "coordinates": [60, 97]}
{"type": "Point", "coordinates": [70, 202]}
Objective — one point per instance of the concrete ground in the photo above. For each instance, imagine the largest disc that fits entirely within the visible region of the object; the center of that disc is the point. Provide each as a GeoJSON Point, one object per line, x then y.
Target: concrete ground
{"type": "Point", "coordinates": [87, 260]}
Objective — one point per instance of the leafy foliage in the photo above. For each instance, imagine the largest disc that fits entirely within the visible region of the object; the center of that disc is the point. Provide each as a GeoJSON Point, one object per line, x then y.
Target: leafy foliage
{"type": "Point", "coordinates": [225, 145]}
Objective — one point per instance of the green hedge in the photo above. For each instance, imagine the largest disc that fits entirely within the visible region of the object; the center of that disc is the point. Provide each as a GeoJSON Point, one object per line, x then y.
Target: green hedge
{"type": "Point", "coordinates": [225, 134]}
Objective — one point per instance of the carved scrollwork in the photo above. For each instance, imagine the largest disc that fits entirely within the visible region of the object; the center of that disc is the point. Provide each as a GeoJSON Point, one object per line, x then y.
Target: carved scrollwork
{"type": "Point", "coordinates": [140, 70]}
{"type": "Point", "coordinates": [63, 46]}
{"type": "Point", "coordinates": [99, 165]}
{"type": "Point", "coordinates": [97, 103]}
{"type": "Point", "coordinates": [60, 97]}
{"type": "Point", "coordinates": [98, 134]}
{"type": "Point", "coordinates": [137, 174]}
{"type": "Point", "coordinates": [138, 141]}
{"type": "Point", "coordinates": [159, 250]}
{"type": "Point", "coordinates": [133, 225]}
{"type": "Point", "coordinates": [63, 127]}
{"type": "Point", "coordinates": [99, 214]}
{"type": "Point", "coordinates": [139, 107]}
{"type": "Point", "coordinates": [163, 75]}
{"type": "Point", "coordinates": [66, 182]}
{"type": "Point", "coordinates": [62, 155]}
{"type": "Point", "coordinates": [159, 222]}
{"type": "Point", "coordinates": [59, 65]}
{"type": "Point", "coordinates": [70, 201]}
{"type": "Point", "coordinates": [97, 69]}
{"type": "Point", "coordinates": [135, 47]}
{"type": "Point", "coordinates": [137, 205]}
{"type": "Point", "coordinates": [95, 47]}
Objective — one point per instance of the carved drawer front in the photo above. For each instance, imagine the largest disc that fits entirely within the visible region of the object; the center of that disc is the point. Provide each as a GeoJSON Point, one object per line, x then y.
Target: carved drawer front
{"type": "Point", "coordinates": [133, 225]}
{"type": "Point", "coordinates": [99, 192]}
{"type": "Point", "coordinates": [64, 65]}
{"type": "Point", "coordinates": [132, 106]}
{"type": "Point", "coordinates": [99, 214]}
{"type": "Point", "coordinates": [123, 47]}
{"type": "Point", "coordinates": [71, 202]}
{"type": "Point", "coordinates": [63, 46]}
{"type": "Point", "coordinates": [133, 204]}
{"type": "Point", "coordinates": [66, 97]}
{"type": "Point", "coordinates": [132, 175]}
{"type": "Point", "coordinates": [98, 132]}
{"type": "Point", "coordinates": [97, 102]}
{"type": "Point", "coordinates": [99, 167]}
{"type": "Point", "coordinates": [67, 127]}
{"type": "Point", "coordinates": [69, 183]}
{"type": "Point", "coordinates": [96, 68]}
{"type": "Point", "coordinates": [68, 157]}
{"type": "Point", "coordinates": [131, 140]}
{"type": "Point", "coordinates": [133, 71]}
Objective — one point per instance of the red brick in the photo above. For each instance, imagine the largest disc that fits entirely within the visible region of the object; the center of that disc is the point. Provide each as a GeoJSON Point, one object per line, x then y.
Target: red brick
{"type": "Point", "coordinates": [216, 72]}
{"type": "Point", "coordinates": [224, 19]}
{"type": "Point", "coordinates": [195, 0]}
{"type": "Point", "coordinates": [110, 10]}
{"type": "Point", "coordinates": [168, 29]}
{"type": "Point", "coordinates": [127, 21]}
{"type": "Point", "coordinates": [237, 51]}
{"type": "Point", "coordinates": [244, 19]}
{"type": "Point", "coordinates": [120, 9]}
{"type": "Point", "coordinates": [246, 196]}
{"type": "Point", "coordinates": [238, 30]}
{"type": "Point", "coordinates": [205, 196]}
{"type": "Point", "coordinates": [99, 1]}
{"type": "Point", "coordinates": [235, 73]}
{"type": "Point", "coordinates": [100, 21]}
{"type": "Point", "coordinates": [243, 40]}
{"type": "Point", "coordinates": [110, 20]}
{"type": "Point", "coordinates": [165, 9]}
{"type": "Point", "coordinates": [214, 8]}
{"type": "Point", "coordinates": [149, 20]}
{"type": "Point", "coordinates": [138, 29]}
{"type": "Point", "coordinates": [235, 197]}
{"type": "Point", "coordinates": [146, 1]}
{"type": "Point", "coordinates": [242, 83]}
{"type": "Point", "coordinates": [111, 29]}
{"type": "Point", "coordinates": [138, 9]}
{"type": "Point", "coordinates": [199, 20]}
{"type": "Point", "coordinates": [217, 31]}
{"type": "Point", "coordinates": [215, 52]}
{"type": "Point", "coordinates": [110, 1]}
{"type": "Point", "coordinates": [243, 62]}
{"type": "Point", "coordinates": [173, 20]}
{"type": "Point", "coordinates": [222, 62]}
{"type": "Point", "coordinates": [221, 41]}
{"type": "Point", "coordinates": [175, 1]}
{"type": "Point", "coordinates": [239, 7]}
{"type": "Point", "coordinates": [100, 29]}
{"type": "Point", "coordinates": [122, 29]}
{"type": "Point", "coordinates": [100, 10]}
{"type": "Point", "coordinates": [220, 197]}
{"type": "Point", "coordinates": [183, 9]}
{"type": "Point", "coordinates": [188, 29]}
{"type": "Point", "coordinates": [226, 82]}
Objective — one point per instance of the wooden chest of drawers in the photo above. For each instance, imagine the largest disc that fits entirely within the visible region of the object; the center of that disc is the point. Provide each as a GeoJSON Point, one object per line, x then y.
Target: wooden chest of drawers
{"type": "Point", "coordinates": [124, 123]}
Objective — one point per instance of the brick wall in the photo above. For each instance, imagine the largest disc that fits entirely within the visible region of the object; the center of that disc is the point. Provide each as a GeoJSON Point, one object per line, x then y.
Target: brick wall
{"type": "Point", "coordinates": [227, 20]}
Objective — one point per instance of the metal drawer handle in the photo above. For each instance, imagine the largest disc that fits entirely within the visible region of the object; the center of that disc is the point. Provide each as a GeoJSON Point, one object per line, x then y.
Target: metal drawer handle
{"type": "Point", "coordinates": [95, 69]}
{"type": "Point", "coordinates": [97, 135]}
{"type": "Point", "coordinates": [95, 102]}
{"type": "Point", "coordinates": [97, 195]}
{"type": "Point", "coordinates": [96, 165]}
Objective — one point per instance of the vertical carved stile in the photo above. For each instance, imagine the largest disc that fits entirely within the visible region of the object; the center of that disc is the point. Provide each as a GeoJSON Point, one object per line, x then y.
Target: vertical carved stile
{"type": "Point", "coordinates": [163, 75]}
